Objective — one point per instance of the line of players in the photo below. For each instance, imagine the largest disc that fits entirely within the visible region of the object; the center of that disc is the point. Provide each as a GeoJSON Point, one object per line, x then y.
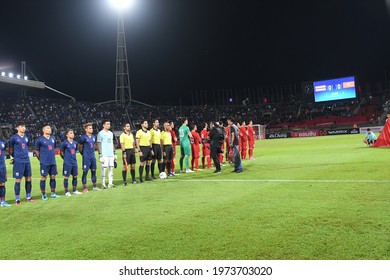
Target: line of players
{"type": "Point", "coordinates": [154, 146]}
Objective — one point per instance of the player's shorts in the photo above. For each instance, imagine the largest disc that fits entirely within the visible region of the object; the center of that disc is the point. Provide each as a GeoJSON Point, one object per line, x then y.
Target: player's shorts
{"type": "Point", "coordinates": [195, 151]}
{"type": "Point", "coordinates": [48, 169]}
{"type": "Point", "coordinates": [206, 150]}
{"type": "Point", "coordinates": [146, 153]}
{"type": "Point", "coordinates": [251, 142]}
{"type": "Point", "coordinates": [157, 151]}
{"type": "Point", "coordinates": [21, 170]}
{"type": "Point", "coordinates": [89, 163]}
{"type": "Point", "coordinates": [128, 157]}
{"type": "Point", "coordinates": [108, 161]}
{"type": "Point", "coordinates": [168, 152]}
{"type": "Point", "coordinates": [68, 170]}
{"type": "Point", "coordinates": [3, 173]}
{"type": "Point", "coordinates": [185, 150]}
{"type": "Point", "coordinates": [244, 145]}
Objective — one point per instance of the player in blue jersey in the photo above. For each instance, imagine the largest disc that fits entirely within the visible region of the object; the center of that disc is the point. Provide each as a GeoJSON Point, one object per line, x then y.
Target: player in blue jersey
{"type": "Point", "coordinates": [68, 153]}
{"type": "Point", "coordinates": [45, 153]}
{"type": "Point", "coordinates": [18, 149]}
{"type": "Point", "coordinates": [107, 155]}
{"type": "Point", "coordinates": [87, 150]}
{"type": "Point", "coordinates": [3, 174]}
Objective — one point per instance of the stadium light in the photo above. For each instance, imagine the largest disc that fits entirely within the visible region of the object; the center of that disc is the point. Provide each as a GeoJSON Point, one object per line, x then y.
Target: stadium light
{"type": "Point", "coordinates": [18, 76]}
{"type": "Point", "coordinates": [3, 74]}
{"type": "Point", "coordinates": [11, 75]}
{"type": "Point", "coordinates": [25, 78]}
{"type": "Point", "coordinates": [121, 4]}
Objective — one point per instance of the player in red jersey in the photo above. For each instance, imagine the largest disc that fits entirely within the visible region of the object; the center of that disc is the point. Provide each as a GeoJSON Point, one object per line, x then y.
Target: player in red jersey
{"type": "Point", "coordinates": [205, 146]}
{"type": "Point", "coordinates": [195, 148]}
{"type": "Point", "coordinates": [251, 139]}
{"type": "Point", "coordinates": [174, 140]}
{"type": "Point", "coordinates": [243, 140]}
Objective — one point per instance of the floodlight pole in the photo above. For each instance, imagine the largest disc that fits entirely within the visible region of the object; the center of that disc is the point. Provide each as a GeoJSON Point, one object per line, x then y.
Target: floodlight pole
{"type": "Point", "coordinates": [122, 83]}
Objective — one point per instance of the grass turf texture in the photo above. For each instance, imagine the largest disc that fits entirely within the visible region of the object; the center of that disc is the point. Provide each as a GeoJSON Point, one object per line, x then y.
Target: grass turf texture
{"type": "Point", "coordinates": [307, 198]}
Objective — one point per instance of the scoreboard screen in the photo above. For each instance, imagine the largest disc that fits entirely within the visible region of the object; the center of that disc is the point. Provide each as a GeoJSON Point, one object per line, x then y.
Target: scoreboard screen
{"type": "Point", "coordinates": [336, 89]}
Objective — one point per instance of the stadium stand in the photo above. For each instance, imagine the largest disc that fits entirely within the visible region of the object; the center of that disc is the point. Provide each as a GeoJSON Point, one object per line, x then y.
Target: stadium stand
{"type": "Point", "coordinates": [64, 114]}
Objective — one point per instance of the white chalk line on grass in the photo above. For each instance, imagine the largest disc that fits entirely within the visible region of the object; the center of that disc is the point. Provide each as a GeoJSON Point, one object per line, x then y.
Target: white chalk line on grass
{"type": "Point", "coordinates": [288, 181]}
{"type": "Point", "coordinates": [242, 180]}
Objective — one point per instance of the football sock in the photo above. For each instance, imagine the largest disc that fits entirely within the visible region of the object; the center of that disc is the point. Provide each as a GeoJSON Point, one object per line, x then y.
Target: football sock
{"type": "Point", "coordinates": [187, 162]}
{"type": "Point", "coordinates": [152, 170]}
{"type": "Point", "coordinates": [141, 171]}
{"type": "Point", "coordinates": [132, 172]}
{"type": "Point", "coordinates": [53, 185]}
{"type": "Point", "coordinates": [74, 183]}
{"type": "Point", "coordinates": [161, 167]}
{"type": "Point", "coordinates": [172, 166]}
{"type": "Point", "coordinates": [28, 188]}
{"type": "Point", "coordinates": [104, 175]}
{"type": "Point", "coordinates": [110, 175]}
{"type": "Point", "coordinates": [181, 163]}
{"type": "Point", "coordinates": [93, 178]}
{"type": "Point", "coordinates": [168, 164]}
{"type": "Point", "coordinates": [147, 170]}
{"type": "Point", "coordinates": [42, 185]}
{"type": "Point", "coordinates": [2, 193]}
{"type": "Point", "coordinates": [84, 178]}
{"type": "Point", "coordinates": [124, 173]}
{"type": "Point", "coordinates": [66, 183]}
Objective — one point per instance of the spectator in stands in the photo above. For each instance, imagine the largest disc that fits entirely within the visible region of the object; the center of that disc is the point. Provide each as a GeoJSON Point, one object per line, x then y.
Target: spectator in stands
{"type": "Point", "coordinates": [370, 137]}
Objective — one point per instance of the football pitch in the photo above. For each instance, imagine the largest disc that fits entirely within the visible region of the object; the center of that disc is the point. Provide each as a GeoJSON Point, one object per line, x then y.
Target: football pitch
{"type": "Point", "coordinates": [302, 198]}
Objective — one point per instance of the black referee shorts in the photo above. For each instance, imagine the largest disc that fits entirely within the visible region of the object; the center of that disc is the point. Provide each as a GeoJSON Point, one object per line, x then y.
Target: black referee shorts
{"type": "Point", "coordinates": [157, 151]}
{"type": "Point", "coordinates": [129, 157]}
{"type": "Point", "coordinates": [146, 153]}
{"type": "Point", "coordinates": [168, 152]}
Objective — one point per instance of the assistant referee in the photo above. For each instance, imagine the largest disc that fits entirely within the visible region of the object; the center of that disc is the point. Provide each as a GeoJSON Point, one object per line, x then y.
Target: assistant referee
{"type": "Point", "coordinates": [166, 142]}
{"type": "Point", "coordinates": [128, 153]}
{"type": "Point", "coordinates": [144, 145]}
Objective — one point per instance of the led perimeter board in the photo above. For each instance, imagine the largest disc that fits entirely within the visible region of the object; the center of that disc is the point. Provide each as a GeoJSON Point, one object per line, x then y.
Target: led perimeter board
{"type": "Point", "coordinates": [336, 89]}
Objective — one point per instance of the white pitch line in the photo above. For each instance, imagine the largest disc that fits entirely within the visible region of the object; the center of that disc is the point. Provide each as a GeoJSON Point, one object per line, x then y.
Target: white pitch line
{"type": "Point", "coordinates": [289, 181]}
{"type": "Point", "coordinates": [241, 180]}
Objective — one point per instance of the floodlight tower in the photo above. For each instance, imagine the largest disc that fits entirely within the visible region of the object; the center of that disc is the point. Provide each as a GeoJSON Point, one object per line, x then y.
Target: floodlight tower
{"type": "Point", "coordinates": [122, 83]}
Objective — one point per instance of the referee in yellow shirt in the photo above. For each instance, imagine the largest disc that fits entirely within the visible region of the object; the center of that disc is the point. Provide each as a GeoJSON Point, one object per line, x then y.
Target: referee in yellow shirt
{"type": "Point", "coordinates": [155, 134]}
{"type": "Point", "coordinates": [128, 154]}
{"type": "Point", "coordinates": [144, 146]}
{"type": "Point", "coordinates": [166, 142]}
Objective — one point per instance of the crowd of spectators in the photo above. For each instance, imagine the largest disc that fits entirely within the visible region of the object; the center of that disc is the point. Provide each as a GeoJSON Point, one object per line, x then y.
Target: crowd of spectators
{"type": "Point", "coordinates": [65, 114]}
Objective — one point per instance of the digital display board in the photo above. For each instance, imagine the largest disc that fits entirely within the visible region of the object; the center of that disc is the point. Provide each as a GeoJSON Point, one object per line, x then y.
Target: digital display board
{"type": "Point", "coordinates": [336, 89]}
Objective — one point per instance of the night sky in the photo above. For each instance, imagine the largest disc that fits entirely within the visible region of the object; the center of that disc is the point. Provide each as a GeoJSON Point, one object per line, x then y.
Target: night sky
{"type": "Point", "coordinates": [175, 46]}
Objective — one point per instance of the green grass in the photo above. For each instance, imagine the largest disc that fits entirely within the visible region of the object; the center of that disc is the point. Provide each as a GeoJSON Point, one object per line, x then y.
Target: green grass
{"type": "Point", "coordinates": [310, 198]}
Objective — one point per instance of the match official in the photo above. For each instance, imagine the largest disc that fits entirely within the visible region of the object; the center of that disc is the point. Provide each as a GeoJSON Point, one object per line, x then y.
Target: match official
{"type": "Point", "coordinates": [127, 142]}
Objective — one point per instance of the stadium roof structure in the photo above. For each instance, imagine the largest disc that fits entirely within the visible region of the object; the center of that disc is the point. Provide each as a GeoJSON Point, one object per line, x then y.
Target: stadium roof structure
{"type": "Point", "coordinates": [22, 82]}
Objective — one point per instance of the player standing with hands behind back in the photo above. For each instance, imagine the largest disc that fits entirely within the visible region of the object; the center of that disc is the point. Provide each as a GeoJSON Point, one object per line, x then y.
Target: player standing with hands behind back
{"type": "Point", "coordinates": [87, 150]}
{"type": "Point", "coordinates": [107, 155]}
{"type": "Point", "coordinates": [128, 154]}
{"type": "Point", "coordinates": [185, 145]}
{"type": "Point", "coordinates": [3, 174]}
{"type": "Point", "coordinates": [68, 153]}
{"type": "Point", "coordinates": [18, 148]}
{"type": "Point", "coordinates": [44, 151]}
